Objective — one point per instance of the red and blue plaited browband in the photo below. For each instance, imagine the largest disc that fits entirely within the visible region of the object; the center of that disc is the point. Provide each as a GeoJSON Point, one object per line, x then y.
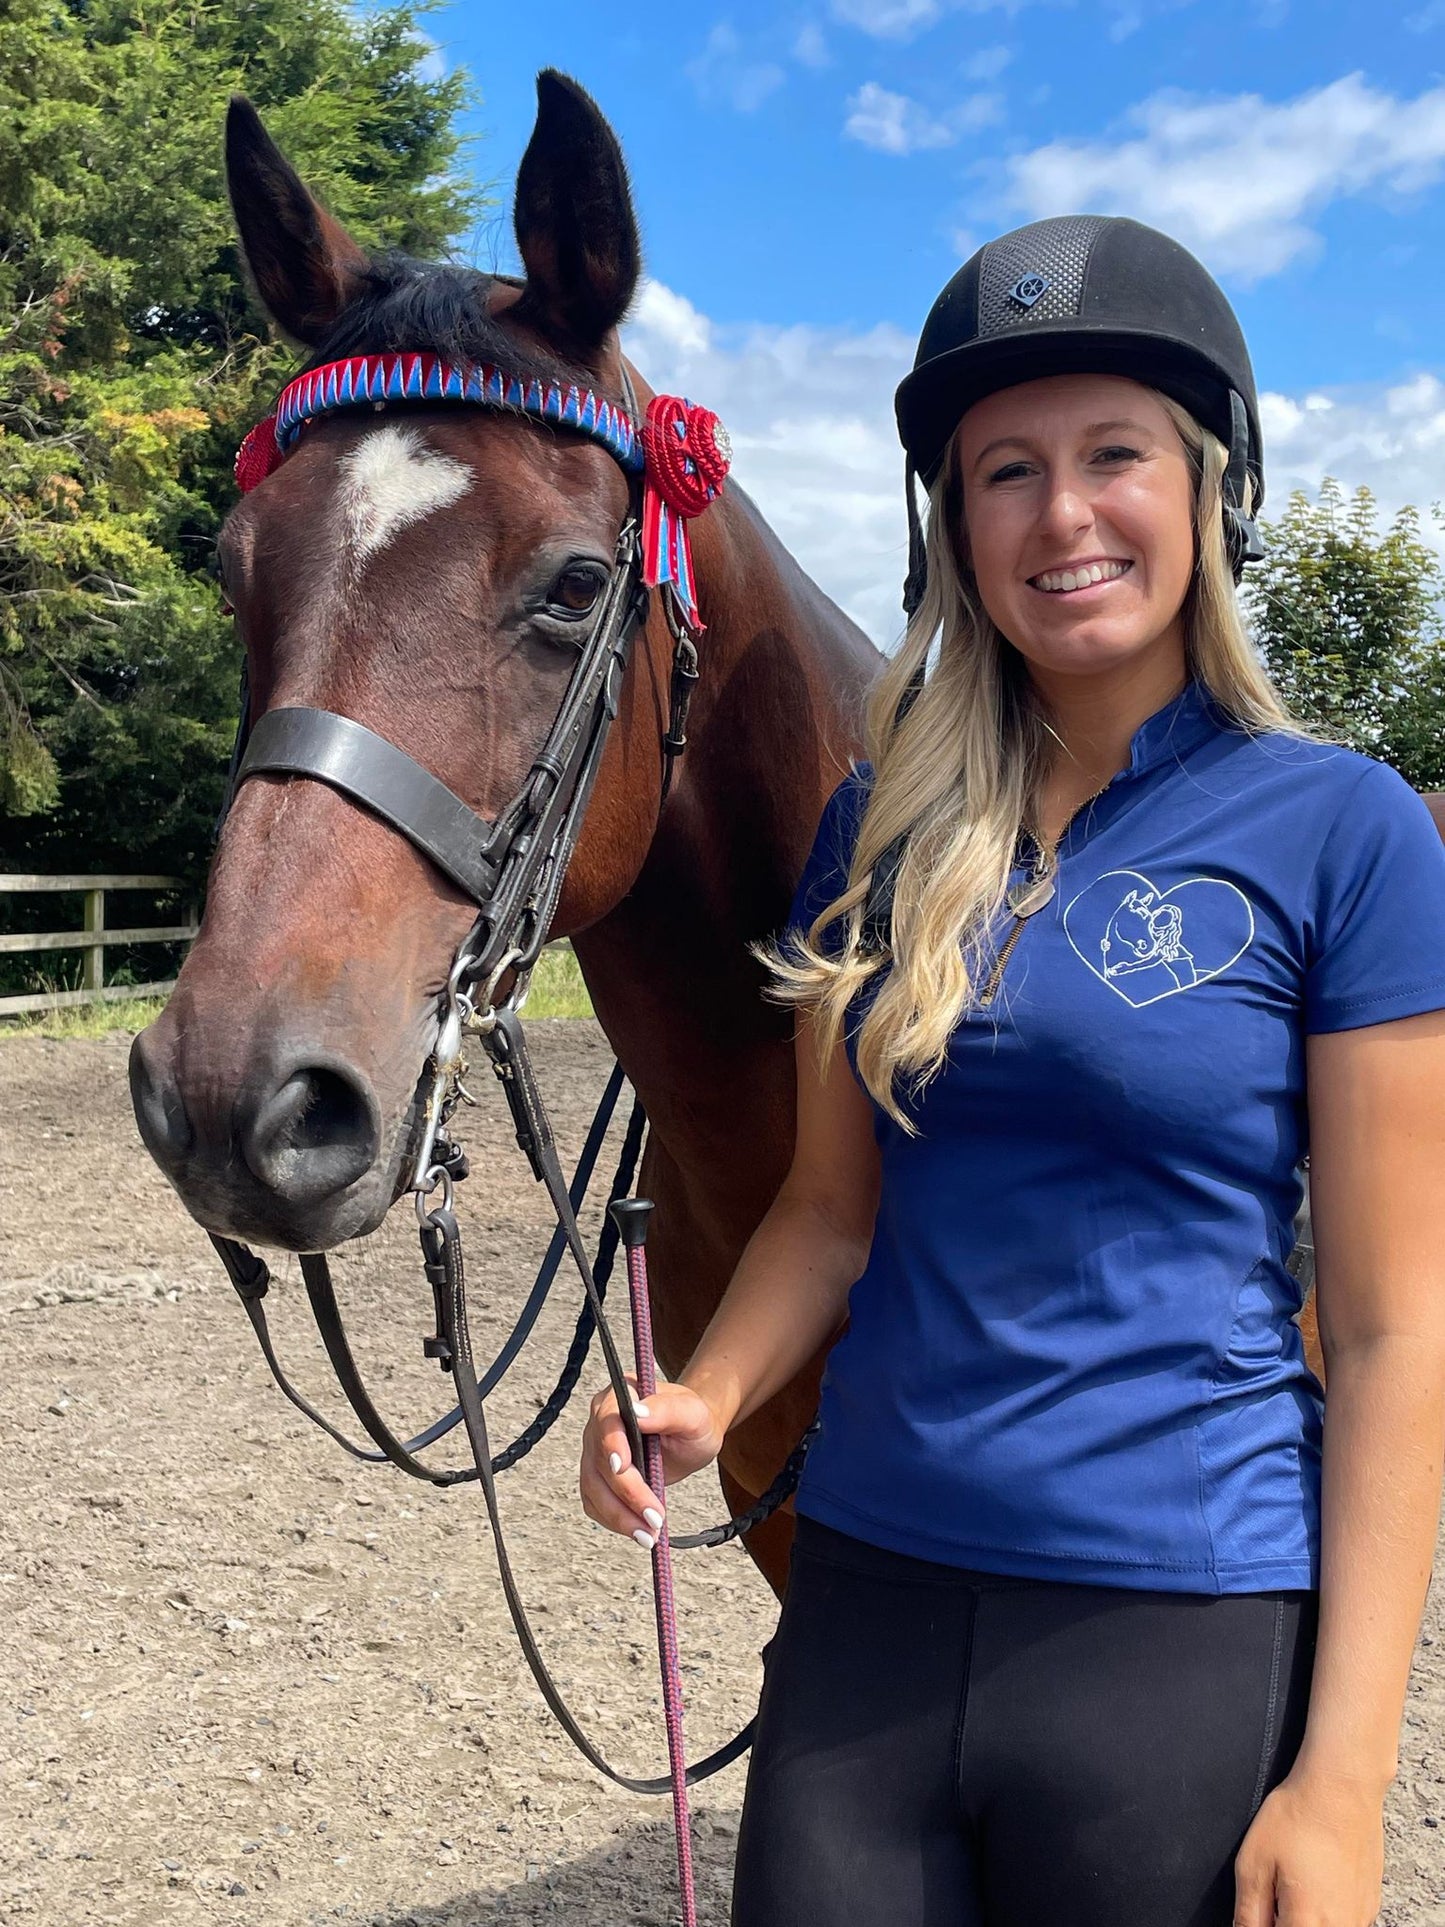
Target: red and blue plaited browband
{"type": "Point", "coordinates": [682, 451]}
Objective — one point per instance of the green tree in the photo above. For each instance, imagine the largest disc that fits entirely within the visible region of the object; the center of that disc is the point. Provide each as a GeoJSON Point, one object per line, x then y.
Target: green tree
{"type": "Point", "coordinates": [1348, 619]}
{"type": "Point", "coordinates": [132, 360]}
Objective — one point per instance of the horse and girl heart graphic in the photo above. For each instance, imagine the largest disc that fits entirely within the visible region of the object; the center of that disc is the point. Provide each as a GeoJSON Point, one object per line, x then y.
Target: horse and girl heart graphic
{"type": "Point", "coordinates": [1146, 943]}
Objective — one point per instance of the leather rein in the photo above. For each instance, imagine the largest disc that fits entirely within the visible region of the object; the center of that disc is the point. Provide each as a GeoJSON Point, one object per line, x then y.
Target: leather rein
{"type": "Point", "coordinates": [512, 868]}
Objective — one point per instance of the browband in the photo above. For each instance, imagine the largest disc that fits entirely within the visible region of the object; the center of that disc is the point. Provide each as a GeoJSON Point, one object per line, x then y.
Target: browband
{"type": "Point", "coordinates": [681, 451]}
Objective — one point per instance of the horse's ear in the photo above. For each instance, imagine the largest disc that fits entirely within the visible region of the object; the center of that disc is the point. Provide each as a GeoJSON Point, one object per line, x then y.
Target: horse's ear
{"type": "Point", "coordinates": [576, 230]}
{"type": "Point", "coordinates": [305, 265]}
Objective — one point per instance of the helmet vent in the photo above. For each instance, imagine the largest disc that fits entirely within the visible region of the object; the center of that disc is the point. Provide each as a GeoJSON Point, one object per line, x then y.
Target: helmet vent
{"type": "Point", "coordinates": [1036, 274]}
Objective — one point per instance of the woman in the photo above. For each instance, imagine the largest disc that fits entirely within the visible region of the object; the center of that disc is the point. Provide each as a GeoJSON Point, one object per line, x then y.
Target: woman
{"type": "Point", "coordinates": [1090, 1619]}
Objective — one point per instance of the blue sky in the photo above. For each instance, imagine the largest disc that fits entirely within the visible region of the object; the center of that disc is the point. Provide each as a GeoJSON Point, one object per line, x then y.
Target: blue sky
{"type": "Point", "coordinates": [807, 177]}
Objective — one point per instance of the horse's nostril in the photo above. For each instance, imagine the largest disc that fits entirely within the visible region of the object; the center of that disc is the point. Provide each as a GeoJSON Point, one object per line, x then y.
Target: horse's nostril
{"type": "Point", "coordinates": [159, 1109]}
{"type": "Point", "coordinates": [316, 1133]}
{"type": "Point", "coordinates": [332, 1111]}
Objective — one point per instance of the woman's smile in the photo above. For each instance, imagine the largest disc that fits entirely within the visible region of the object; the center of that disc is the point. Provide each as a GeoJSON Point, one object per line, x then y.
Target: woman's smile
{"type": "Point", "coordinates": [1077, 578]}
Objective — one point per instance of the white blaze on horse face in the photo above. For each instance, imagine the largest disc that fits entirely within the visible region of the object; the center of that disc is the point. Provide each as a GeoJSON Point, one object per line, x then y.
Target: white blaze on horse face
{"type": "Point", "coordinates": [391, 479]}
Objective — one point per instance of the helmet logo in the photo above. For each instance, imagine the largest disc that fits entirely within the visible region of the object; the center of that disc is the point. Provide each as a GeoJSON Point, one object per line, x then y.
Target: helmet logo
{"type": "Point", "coordinates": [1027, 289]}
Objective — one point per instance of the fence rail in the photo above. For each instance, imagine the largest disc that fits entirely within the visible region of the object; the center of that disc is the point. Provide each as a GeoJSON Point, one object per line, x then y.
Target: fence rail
{"type": "Point", "coordinates": [92, 938]}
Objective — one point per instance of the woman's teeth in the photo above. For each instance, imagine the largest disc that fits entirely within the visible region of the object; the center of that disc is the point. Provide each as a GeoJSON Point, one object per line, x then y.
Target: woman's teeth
{"type": "Point", "coordinates": [1057, 580]}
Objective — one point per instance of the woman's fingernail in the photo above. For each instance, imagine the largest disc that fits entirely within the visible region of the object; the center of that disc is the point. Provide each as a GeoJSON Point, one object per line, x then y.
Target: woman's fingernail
{"type": "Point", "coordinates": [653, 1517]}
{"type": "Point", "coordinates": [641, 1410]}
{"type": "Point", "coordinates": [644, 1539]}
{"type": "Point", "coordinates": [614, 1462]}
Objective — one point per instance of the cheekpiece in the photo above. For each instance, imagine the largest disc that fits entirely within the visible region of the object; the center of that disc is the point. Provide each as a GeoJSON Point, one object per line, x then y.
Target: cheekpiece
{"type": "Point", "coordinates": [681, 451]}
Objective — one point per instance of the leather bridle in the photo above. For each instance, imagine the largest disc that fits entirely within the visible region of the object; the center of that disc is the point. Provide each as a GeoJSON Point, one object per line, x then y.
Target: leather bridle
{"type": "Point", "coordinates": [512, 867]}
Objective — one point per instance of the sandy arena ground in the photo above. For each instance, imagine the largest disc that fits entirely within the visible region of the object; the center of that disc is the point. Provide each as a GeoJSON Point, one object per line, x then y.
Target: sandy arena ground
{"type": "Point", "coordinates": [248, 1681]}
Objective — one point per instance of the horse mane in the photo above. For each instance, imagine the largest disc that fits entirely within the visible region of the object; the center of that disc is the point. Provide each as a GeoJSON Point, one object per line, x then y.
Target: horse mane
{"type": "Point", "coordinates": [406, 306]}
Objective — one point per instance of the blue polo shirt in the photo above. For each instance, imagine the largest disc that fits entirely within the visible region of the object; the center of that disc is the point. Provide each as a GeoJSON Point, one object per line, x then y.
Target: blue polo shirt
{"type": "Point", "coordinates": [1072, 1354]}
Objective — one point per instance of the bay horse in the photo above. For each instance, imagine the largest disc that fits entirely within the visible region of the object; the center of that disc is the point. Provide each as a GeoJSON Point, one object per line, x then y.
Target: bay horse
{"type": "Point", "coordinates": [421, 571]}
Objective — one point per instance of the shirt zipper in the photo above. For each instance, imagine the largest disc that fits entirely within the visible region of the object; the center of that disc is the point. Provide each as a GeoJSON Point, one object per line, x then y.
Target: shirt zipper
{"type": "Point", "coordinates": [1021, 917]}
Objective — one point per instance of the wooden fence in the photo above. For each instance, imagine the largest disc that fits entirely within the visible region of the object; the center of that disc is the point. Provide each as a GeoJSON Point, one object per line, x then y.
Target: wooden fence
{"type": "Point", "coordinates": [92, 939]}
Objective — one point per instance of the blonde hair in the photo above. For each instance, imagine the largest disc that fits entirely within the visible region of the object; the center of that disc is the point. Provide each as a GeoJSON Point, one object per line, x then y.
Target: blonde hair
{"type": "Point", "coordinates": [957, 777]}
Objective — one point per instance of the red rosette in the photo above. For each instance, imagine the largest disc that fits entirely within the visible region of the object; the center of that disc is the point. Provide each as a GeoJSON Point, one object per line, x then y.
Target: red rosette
{"type": "Point", "coordinates": [257, 455]}
{"type": "Point", "coordinates": [687, 452]}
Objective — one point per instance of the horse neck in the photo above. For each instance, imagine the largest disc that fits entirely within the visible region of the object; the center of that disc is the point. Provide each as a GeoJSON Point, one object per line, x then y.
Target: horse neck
{"type": "Point", "coordinates": [774, 722]}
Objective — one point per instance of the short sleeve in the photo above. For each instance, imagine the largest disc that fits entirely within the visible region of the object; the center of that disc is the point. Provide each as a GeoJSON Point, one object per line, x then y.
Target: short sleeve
{"type": "Point", "coordinates": [825, 874]}
{"type": "Point", "coordinates": [1377, 917]}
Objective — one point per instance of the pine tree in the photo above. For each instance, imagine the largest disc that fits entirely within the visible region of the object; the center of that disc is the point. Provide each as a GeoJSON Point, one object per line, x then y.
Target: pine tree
{"type": "Point", "coordinates": [132, 361]}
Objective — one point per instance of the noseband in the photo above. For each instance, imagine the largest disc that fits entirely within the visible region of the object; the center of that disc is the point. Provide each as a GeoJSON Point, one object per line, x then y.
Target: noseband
{"type": "Point", "coordinates": [512, 867]}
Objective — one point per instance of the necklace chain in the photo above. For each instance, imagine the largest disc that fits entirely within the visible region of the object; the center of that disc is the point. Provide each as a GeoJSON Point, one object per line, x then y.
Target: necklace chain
{"type": "Point", "coordinates": [1045, 867]}
{"type": "Point", "coordinates": [1048, 852]}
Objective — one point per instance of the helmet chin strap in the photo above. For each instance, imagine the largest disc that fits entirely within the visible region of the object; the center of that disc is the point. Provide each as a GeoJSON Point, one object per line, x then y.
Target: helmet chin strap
{"type": "Point", "coordinates": [1241, 532]}
{"type": "Point", "coordinates": [917, 578]}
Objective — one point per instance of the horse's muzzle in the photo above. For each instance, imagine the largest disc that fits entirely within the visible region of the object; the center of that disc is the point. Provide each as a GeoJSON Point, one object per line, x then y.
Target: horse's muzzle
{"type": "Point", "coordinates": [289, 1154]}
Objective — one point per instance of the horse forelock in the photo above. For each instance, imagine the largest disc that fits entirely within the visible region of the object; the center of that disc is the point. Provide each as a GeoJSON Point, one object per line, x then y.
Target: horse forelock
{"type": "Point", "coordinates": [406, 306]}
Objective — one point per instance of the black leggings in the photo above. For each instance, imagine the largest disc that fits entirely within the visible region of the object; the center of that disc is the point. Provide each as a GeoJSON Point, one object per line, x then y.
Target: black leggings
{"type": "Point", "coordinates": [944, 1748]}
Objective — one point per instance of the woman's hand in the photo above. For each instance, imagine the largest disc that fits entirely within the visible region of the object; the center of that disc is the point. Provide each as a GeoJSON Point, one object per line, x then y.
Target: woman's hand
{"type": "Point", "coordinates": [1314, 1857]}
{"type": "Point", "coordinates": [614, 1492]}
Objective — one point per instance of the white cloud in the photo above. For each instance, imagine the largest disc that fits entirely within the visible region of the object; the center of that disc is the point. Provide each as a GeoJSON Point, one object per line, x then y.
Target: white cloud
{"type": "Point", "coordinates": [903, 19]}
{"type": "Point", "coordinates": [810, 49]}
{"type": "Point", "coordinates": [810, 412]}
{"type": "Point", "coordinates": [1430, 16]}
{"type": "Point", "coordinates": [672, 327]}
{"type": "Point", "coordinates": [888, 19]}
{"type": "Point", "coordinates": [1390, 437]}
{"type": "Point", "coordinates": [894, 124]}
{"type": "Point", "coordinates": [988, 63]}
{"type": "Point", "coordinates": [431, 61]}
{"type": "Point", "coordinates": [1128, 16]}
{"type": "Point", "coordinates": [1239, 180]}
{"type": "Point", "coordinates": [726, 70]}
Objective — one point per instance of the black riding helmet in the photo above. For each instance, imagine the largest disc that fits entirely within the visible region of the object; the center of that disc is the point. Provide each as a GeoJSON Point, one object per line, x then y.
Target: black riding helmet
{"type": "Point", "coordinates": [1083, 294]}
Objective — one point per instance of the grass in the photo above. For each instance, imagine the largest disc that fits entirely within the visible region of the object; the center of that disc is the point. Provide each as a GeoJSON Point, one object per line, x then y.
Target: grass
{"type": "Point", "coordinates": [557, 986]}
{"type": "Point", "coordinates": [557, 991]}
{"type": "Point", "coordinates": [84, 1020]}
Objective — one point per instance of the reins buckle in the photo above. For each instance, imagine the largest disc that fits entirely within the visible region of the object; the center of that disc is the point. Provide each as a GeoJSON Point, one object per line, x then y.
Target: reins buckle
{"type": "Point", "coordinates": [438, 1230]}
{"type": "Point", "coordinates": [250, 1274]}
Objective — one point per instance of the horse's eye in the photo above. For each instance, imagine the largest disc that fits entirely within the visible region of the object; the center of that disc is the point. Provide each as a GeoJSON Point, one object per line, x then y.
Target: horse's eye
{"type": "Point", "coordinates": [576, 589]}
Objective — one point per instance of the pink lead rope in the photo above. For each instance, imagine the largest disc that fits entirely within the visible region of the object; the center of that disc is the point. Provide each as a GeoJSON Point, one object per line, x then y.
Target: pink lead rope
{"type": "Point", "coordinates": [632, 1215]}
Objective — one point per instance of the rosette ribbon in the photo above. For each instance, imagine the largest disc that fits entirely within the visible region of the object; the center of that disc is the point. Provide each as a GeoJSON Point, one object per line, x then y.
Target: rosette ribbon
{"type": "Point", "coordinates": [687, 453]}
